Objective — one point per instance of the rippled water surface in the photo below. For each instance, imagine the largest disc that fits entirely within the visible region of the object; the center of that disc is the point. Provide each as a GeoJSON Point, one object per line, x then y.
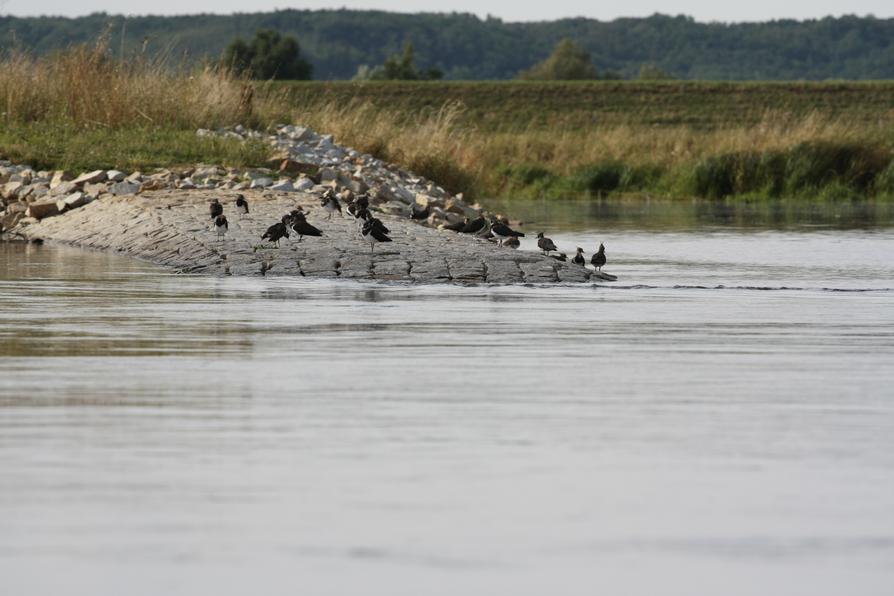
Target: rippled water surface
{"type": "Point", "coordinates": [718, 421]}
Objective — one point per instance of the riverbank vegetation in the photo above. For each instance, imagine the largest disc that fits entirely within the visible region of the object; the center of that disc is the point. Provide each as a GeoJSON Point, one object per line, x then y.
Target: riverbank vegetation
{"type": "Point", "coordinates": [675, 139]}
{"type": "Point", "coordinates": [84, 109]}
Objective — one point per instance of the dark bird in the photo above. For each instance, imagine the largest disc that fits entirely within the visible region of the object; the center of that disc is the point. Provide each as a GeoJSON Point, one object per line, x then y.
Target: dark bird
{"type": "Point", "coordinates": [455, 227]}
{"type": "Point", "coordinates": [560, 257]}
{"type": "Point", "coordinates": [420, 214]}
{"type": "Point", "coordinates": [598, 259]}
{"type": "Point", "coordinates": [501, 231]}
{"type": "Point", "coordinates": [366, 215]}
{"type": "Point", "coordinates": [277, 231]}
{"type": "Point", "coordinates": [512, 242]}
{"type": "Point", "coordinates": [221, 225]}
{"type": "Point", "coordinates": [216, 208]}
{"type": "Point", "coordinates": [374, 231]}
{"type": "Point", "coordinates": [299, 225]}
{"type": "Point", "coordinates": [579, 257]}
{"type": "Point", "coordinates": [362, 201]}
{"type": "Point", "coordinates": [241, 205]}
{"type": "Point", "coordinates": [545, 244]}
{"type": "Point", "coordinates": [476, 226]}
{"type": "Point", "coordinates": [330, 203]}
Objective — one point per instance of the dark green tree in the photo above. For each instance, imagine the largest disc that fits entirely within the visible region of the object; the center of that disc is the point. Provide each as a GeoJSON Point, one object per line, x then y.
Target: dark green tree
{"type": "Point", "coordinates": [268, 56]}
{"type": "Point", "coordinates": [568, 62]}
{"type": "Point", "coordinates": [399, 67]}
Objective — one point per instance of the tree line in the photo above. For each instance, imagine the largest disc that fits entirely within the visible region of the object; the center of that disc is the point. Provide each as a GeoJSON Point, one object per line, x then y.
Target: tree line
{"type": "Point", "coordinates": [337, 43]}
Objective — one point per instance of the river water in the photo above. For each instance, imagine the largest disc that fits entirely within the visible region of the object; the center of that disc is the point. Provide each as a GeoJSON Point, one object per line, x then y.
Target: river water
{"type": "Point", "coordinates": [720, 420]}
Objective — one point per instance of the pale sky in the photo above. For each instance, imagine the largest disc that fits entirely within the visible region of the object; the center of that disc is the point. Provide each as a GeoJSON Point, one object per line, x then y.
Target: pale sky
{"type": "Point", "coordinates": [702, 10]}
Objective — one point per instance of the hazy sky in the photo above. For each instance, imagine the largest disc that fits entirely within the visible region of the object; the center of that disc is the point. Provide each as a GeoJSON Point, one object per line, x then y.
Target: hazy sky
{"type": "Point", "coordinates": [702, 10]}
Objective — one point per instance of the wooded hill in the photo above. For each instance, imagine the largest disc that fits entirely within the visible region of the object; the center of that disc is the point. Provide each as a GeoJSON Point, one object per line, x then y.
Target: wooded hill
{"type": "Point", "coordinates": [465, 47]}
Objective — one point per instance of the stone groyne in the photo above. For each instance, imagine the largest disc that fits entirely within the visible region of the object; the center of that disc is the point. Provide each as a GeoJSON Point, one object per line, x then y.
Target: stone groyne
{"type": "Point", "coordinates": [163, 217]}
{"type": "Point", "coordinates": [173, 229]}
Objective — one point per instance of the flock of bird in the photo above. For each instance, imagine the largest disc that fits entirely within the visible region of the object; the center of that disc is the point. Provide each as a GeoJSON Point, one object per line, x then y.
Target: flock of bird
{"type": "Point", "coordinates": [374, 231]}
{"type": "Point", "coordinates": [295, 222]}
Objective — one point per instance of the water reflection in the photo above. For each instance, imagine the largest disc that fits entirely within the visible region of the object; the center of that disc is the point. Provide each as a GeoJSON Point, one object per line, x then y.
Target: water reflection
{"type": "Point", "coordinates": [642, 213]}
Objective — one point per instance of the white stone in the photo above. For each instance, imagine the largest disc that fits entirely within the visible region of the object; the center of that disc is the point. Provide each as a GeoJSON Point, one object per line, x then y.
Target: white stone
{"type": "Point", "coordinates": [124, 188]}
{"type": "Point", "coordinates": [115, 175]}
{"type": "Point", "coordinates": [304, 184]}
{"type": "Point", "coordinates": [284, 186]}
{"type": "Point", "coordinates": [90, 177]}
{"type": "Point", "coordinates": [261, 183]}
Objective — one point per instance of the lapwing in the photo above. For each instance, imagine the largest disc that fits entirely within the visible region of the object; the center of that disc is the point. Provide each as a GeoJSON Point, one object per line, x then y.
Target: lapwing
{"type": "Point", "coordinates": [419, 214]}
{"type": "Point", "coordinates": [216, 208]}
{"type": "Point", "coordinates": [476, 226]}
{"type": "Point", "coordinates": [241, 205]}
{"type": "Point", "coordinates": [374, 231]}
{"type": "Point", "coordinates": [455, 227]}
{"type": "Point", "coordinates": [501, 232]}
{"type": "Point", "coordinates": [278, 230]}
{"type": "Point", "coordinates": [330, 203]}
{"type": "Point", "coordinates": [299, 225]}
{"type": "Point", "coordinates": [545, 244]}
{"type": "Point", "coordinates": [579, 257]}
{"type": "Point", "coordinates": [598, 259]}
{"type": "Point", "coordinates": [221, 225]}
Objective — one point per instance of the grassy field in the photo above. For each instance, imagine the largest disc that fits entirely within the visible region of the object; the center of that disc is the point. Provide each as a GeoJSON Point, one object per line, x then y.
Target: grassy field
{"type": "Point", "coordinates": [82, 109]}
{"type": "Point", "coordinates": [831, 140]}
{"type": "Point", "coordinates": [517, 106]}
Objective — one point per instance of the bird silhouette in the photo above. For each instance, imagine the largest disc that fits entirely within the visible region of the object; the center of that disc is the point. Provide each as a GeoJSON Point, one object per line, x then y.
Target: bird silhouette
{"type": "Point", "coordinates": [598, 259]}
{"type": "Point", "coordinates": [545, 244]}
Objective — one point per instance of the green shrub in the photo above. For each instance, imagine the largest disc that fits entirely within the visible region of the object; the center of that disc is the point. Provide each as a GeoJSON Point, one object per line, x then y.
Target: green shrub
{"type": "Point", "coordinates": [812, 166]}
{"type": "Point", "coordinates": [884, 182]}
{"type": "Point", "coordinates": [599, 178]}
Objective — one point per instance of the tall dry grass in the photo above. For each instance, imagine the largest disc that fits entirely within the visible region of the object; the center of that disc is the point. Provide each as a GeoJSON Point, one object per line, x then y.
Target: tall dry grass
{"type": "Point", "coordinates": [85, 86]}
{"type": "Point", "coordinates": [440, 145]}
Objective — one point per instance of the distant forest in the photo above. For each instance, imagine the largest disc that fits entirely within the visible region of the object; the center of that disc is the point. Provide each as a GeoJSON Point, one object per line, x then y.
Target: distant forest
{"type": "Point", "coordinates": [464, 46]}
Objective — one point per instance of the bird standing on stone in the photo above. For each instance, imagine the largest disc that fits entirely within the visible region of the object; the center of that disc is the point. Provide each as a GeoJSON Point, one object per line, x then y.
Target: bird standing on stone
{"type": "Point", "coordinates": [476, 226]}
{"type": "Point", "coordinates": [418, 213]}
{"type": "Point", "coordinates": [221, 225]}
{"type": "Point", "coordinates": [374, 231]}
{"type": "Point", "coordinates": [455, 227]}
{"type": "Point", "coordinates": [598, 259]}
{"type": "Point", "coordinates": [545, 244]}
{"type": "Point", "coordinates": [278, 230]}
{"type": "Point", "coordinates": [241, 205]}
{"type": "Point", "coordinates": [299, 225]}
{"type": "Point", "coordinates": [501, 232]}
{"type": "Point", "coordinates": [366, 216]}
{"type": "Point", "coordinates": [579, 257]}
{"type": "Point", "coordinates": [216, 208]}
{"type": "Point", "coordinates": [359, 203]}
{"type": "Point", "coordinates": [330, 203]}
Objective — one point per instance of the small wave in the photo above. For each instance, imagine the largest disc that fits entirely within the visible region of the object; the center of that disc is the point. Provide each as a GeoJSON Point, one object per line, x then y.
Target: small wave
{"type": "Point", "coordinates": [743, 288]}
